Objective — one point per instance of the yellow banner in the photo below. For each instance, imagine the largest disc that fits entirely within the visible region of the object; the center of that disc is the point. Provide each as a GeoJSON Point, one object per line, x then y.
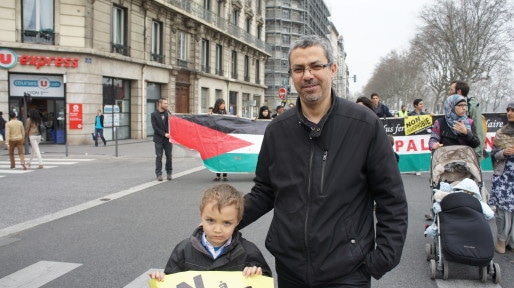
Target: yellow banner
{"type": "Point", "coordinates": [212, 279]}
{"type": "Point", "coordinates": [414, 124]}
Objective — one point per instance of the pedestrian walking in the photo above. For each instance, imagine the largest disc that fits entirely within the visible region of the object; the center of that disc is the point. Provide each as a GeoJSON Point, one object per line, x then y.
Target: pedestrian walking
{"type": "Point", "coordinates": [99, 127]}
{"type": "Point", "coordinates": [33, 132]}
{"type": "Point", "coordinates": [15, 138]}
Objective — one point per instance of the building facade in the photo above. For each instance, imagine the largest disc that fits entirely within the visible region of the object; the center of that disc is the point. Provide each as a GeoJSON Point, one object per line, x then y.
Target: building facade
{"type": "Point", "coordinates": [286, 20]}
{"type": "Point", "coordinates": [69, 58]}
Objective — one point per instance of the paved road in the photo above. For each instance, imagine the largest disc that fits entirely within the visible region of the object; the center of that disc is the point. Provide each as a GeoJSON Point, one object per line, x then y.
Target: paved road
{"type": "Point", "coordinates": [106, 222]}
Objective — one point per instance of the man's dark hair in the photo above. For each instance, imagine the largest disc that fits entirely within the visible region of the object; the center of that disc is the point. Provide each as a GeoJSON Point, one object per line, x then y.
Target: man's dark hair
{"type": "Point", "coordinates": [416, 102]}
{"type": "Point", "coordinates": [374, 94]}
{"type": "Point", "coordinates": [12, 115]}
{"type": "Point", "coordinates": [365, 101]}
{"type": "Point", "coordinates": [307, 41]}
{"type": "Point", "coordinates": [462, 86]}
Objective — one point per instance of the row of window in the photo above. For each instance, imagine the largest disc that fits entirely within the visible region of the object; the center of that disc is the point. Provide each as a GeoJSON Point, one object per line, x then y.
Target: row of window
{"type": "Point", "coordinates": [38, 18]}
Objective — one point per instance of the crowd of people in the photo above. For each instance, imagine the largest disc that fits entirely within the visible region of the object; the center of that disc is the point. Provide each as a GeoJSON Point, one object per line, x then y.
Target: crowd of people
{"type": "Point", "coordinates": [305, 194]}
{"type": "Point", "coordinates": [294, 239]}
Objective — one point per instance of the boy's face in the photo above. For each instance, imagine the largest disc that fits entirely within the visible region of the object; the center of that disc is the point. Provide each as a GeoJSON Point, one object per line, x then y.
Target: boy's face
{"type": "Point", "coordinates": [218, 227]}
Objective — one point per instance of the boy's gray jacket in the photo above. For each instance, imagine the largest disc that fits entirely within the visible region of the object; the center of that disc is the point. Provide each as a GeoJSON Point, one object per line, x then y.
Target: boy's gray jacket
{"type": "Point", "coordinates": [190, 254]}
{"type": "Point", "coordinates": [321, 183]}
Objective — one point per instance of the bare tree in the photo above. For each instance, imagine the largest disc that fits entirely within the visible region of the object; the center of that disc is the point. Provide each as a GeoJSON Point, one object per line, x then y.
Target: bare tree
{"type": "Point", "coordinates": [463, 39]}
{"type": "Point", "coordinates": [395, 79]}
{"type": "Point", "coordinates": [496, 90]}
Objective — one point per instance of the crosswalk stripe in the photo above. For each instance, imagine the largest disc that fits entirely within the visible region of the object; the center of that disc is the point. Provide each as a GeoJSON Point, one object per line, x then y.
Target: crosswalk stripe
{"type": "Point", "coordinates": [18, 170]}
{"type": "Point", "coordinates": [142, 280]}
{"type": "Point", "coordinates": [51, 160]}
{"type": "Point", "coordinates": [37, 275]}
{"type": "Point", "coordinates": [5, 165]}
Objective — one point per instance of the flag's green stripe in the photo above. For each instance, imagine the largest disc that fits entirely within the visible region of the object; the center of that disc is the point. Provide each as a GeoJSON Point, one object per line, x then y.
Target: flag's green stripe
{"type": "Point", "coordinates": [232, 162]}
{"type": "Point", "coordinates": [245, 163]}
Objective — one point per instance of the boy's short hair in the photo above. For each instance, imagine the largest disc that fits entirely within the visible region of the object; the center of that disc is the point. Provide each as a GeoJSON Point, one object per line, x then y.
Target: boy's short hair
{"type": "Point", "coordinates": [224, 195]}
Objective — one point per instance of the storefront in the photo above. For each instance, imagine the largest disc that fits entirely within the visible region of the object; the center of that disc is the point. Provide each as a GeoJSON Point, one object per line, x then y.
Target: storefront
{"type": "Point", "coordinates": [44, 93]}
{"type": "Point", "coordinates": [67, 90]}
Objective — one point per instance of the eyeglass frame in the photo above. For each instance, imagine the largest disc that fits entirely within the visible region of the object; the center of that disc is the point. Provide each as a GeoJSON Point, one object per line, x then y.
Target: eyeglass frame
{"type": "Point", "coordinates": [462, 105]}
{"type": "Point", "coordinates": [315, 68]}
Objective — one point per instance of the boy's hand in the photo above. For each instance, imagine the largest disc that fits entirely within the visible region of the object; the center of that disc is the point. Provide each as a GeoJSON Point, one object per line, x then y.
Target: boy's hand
{"type": "Point", "coordinates": [158, 275]}
{"type": "Point", "coordinates": [250, 271]}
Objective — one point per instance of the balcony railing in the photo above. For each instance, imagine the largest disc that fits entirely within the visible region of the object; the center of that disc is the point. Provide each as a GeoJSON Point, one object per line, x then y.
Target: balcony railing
{"type": "Point", "coordinates": [234, 75]}
{"type": "Point", "coordinates": [206, 69]}
{"type": "Point", "coordinates": [219, 72]}
{"type": "Point", "coordinates": [182, 63]}
{"type": "Point", "coordinates": [45, 36]}
{"type": "Point", "coordinates": [157, 57]}
{"type": "Point", "coordinates": [247, 78]}
{"type": "Point", "coordinates": [120, 49]}
{"type": "Point", "coordinates": [200, 12]}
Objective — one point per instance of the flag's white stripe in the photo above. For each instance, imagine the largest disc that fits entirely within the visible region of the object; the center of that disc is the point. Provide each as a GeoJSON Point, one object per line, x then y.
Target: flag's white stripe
{"type": "Point", "coordinates": [252, 138]}
{"type": "Point", "coordinates": [37, 275]}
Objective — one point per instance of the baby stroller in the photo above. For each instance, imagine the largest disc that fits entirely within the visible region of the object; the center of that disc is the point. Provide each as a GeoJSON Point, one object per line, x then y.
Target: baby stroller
{"type": "Point", "coordinates": [463, 234]}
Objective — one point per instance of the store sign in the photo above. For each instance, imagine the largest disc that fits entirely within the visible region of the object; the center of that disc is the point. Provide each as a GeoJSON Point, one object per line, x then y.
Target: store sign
{"type": "Point", "coordinates": [75, 116]}
{"type": "Point", "coordinates": [36, 85]}
{"type": "Point", "coordinates": [9, 59]}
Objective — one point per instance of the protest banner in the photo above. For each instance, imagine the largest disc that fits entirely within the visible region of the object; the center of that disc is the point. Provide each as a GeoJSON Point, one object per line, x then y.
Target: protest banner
{"type": "Point", "coordinates": [212, 279]}
{"type": "Point", "coordinates": [232, 144]}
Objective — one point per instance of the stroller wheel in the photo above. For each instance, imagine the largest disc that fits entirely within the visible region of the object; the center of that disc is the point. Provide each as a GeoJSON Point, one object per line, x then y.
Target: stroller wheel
{"type": "Point", "coordinates": [428, 251]}
{"type": "Point", "coordinates": [433, 269]}
{"type": "Point", "coordinates": [445, 270]}
{"type": "Point", "coordinates": [496, 273]}
{"type": "Point", "coordinates": [482, 273]}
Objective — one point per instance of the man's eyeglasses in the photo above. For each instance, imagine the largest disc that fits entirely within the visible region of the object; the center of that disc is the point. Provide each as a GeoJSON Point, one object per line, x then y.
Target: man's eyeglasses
{"type": "Point", "coordinates": [462, 105]}
{"type": "Point", "coordinates": [312, 68]}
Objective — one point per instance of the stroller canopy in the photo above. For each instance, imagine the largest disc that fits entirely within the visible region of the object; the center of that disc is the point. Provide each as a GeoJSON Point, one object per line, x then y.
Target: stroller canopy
{"type": "Point", "coordinates": [454, 163]}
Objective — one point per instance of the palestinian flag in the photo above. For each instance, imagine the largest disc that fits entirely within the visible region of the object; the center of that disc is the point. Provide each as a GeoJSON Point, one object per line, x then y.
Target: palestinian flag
{"type": "Point", "coordinates": [225, 143]}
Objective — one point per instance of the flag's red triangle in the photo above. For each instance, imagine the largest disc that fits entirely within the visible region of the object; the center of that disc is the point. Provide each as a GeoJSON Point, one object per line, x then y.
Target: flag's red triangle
{"type": "Point", "coordinates": [208, 142]}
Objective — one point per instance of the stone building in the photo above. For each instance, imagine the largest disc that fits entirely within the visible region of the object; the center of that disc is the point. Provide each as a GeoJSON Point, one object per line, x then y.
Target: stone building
{"type": "Point", "coordinates": [286, 20]}
{"type": "Point", "coordinates": [72, 57]}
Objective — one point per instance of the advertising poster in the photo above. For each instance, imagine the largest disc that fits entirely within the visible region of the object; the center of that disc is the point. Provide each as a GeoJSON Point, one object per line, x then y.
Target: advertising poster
{"type": "Point", "coordinates": [75, 116]}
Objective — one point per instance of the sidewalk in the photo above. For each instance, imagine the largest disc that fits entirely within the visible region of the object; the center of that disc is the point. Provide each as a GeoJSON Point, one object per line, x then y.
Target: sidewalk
{"type": "Point", "coordinates": [129, 148]}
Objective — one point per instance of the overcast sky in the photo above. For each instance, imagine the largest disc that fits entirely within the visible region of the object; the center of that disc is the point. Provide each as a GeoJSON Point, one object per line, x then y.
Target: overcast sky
{"type": "Point", "coordinates": [371, 29]}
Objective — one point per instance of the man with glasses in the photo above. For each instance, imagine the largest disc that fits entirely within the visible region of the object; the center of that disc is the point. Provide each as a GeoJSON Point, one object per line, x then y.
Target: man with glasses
{"type": "Point", "coordinates": [320, 168]}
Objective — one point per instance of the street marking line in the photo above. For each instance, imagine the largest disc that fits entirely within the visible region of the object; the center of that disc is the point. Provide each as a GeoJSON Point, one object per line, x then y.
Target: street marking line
{"type": "Point", "coordinates": [87, 205]}
{"type": "Point", "coordinates": [14, 171]}
{"type": "Point", "coordinates": [142, 280]}
{"type": "Point", "coordinates": [37, 274]}
{"type": "Point", "coordinates": [18, 170]}
{"type": "Point", "coordinates": [465, 283]}
{"type": "Point", "coordinates": [44, 162]}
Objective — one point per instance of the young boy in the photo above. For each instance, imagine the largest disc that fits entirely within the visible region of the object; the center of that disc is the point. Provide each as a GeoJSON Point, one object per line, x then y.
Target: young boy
{"type": "Point", "coordinates": [215, 245]}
